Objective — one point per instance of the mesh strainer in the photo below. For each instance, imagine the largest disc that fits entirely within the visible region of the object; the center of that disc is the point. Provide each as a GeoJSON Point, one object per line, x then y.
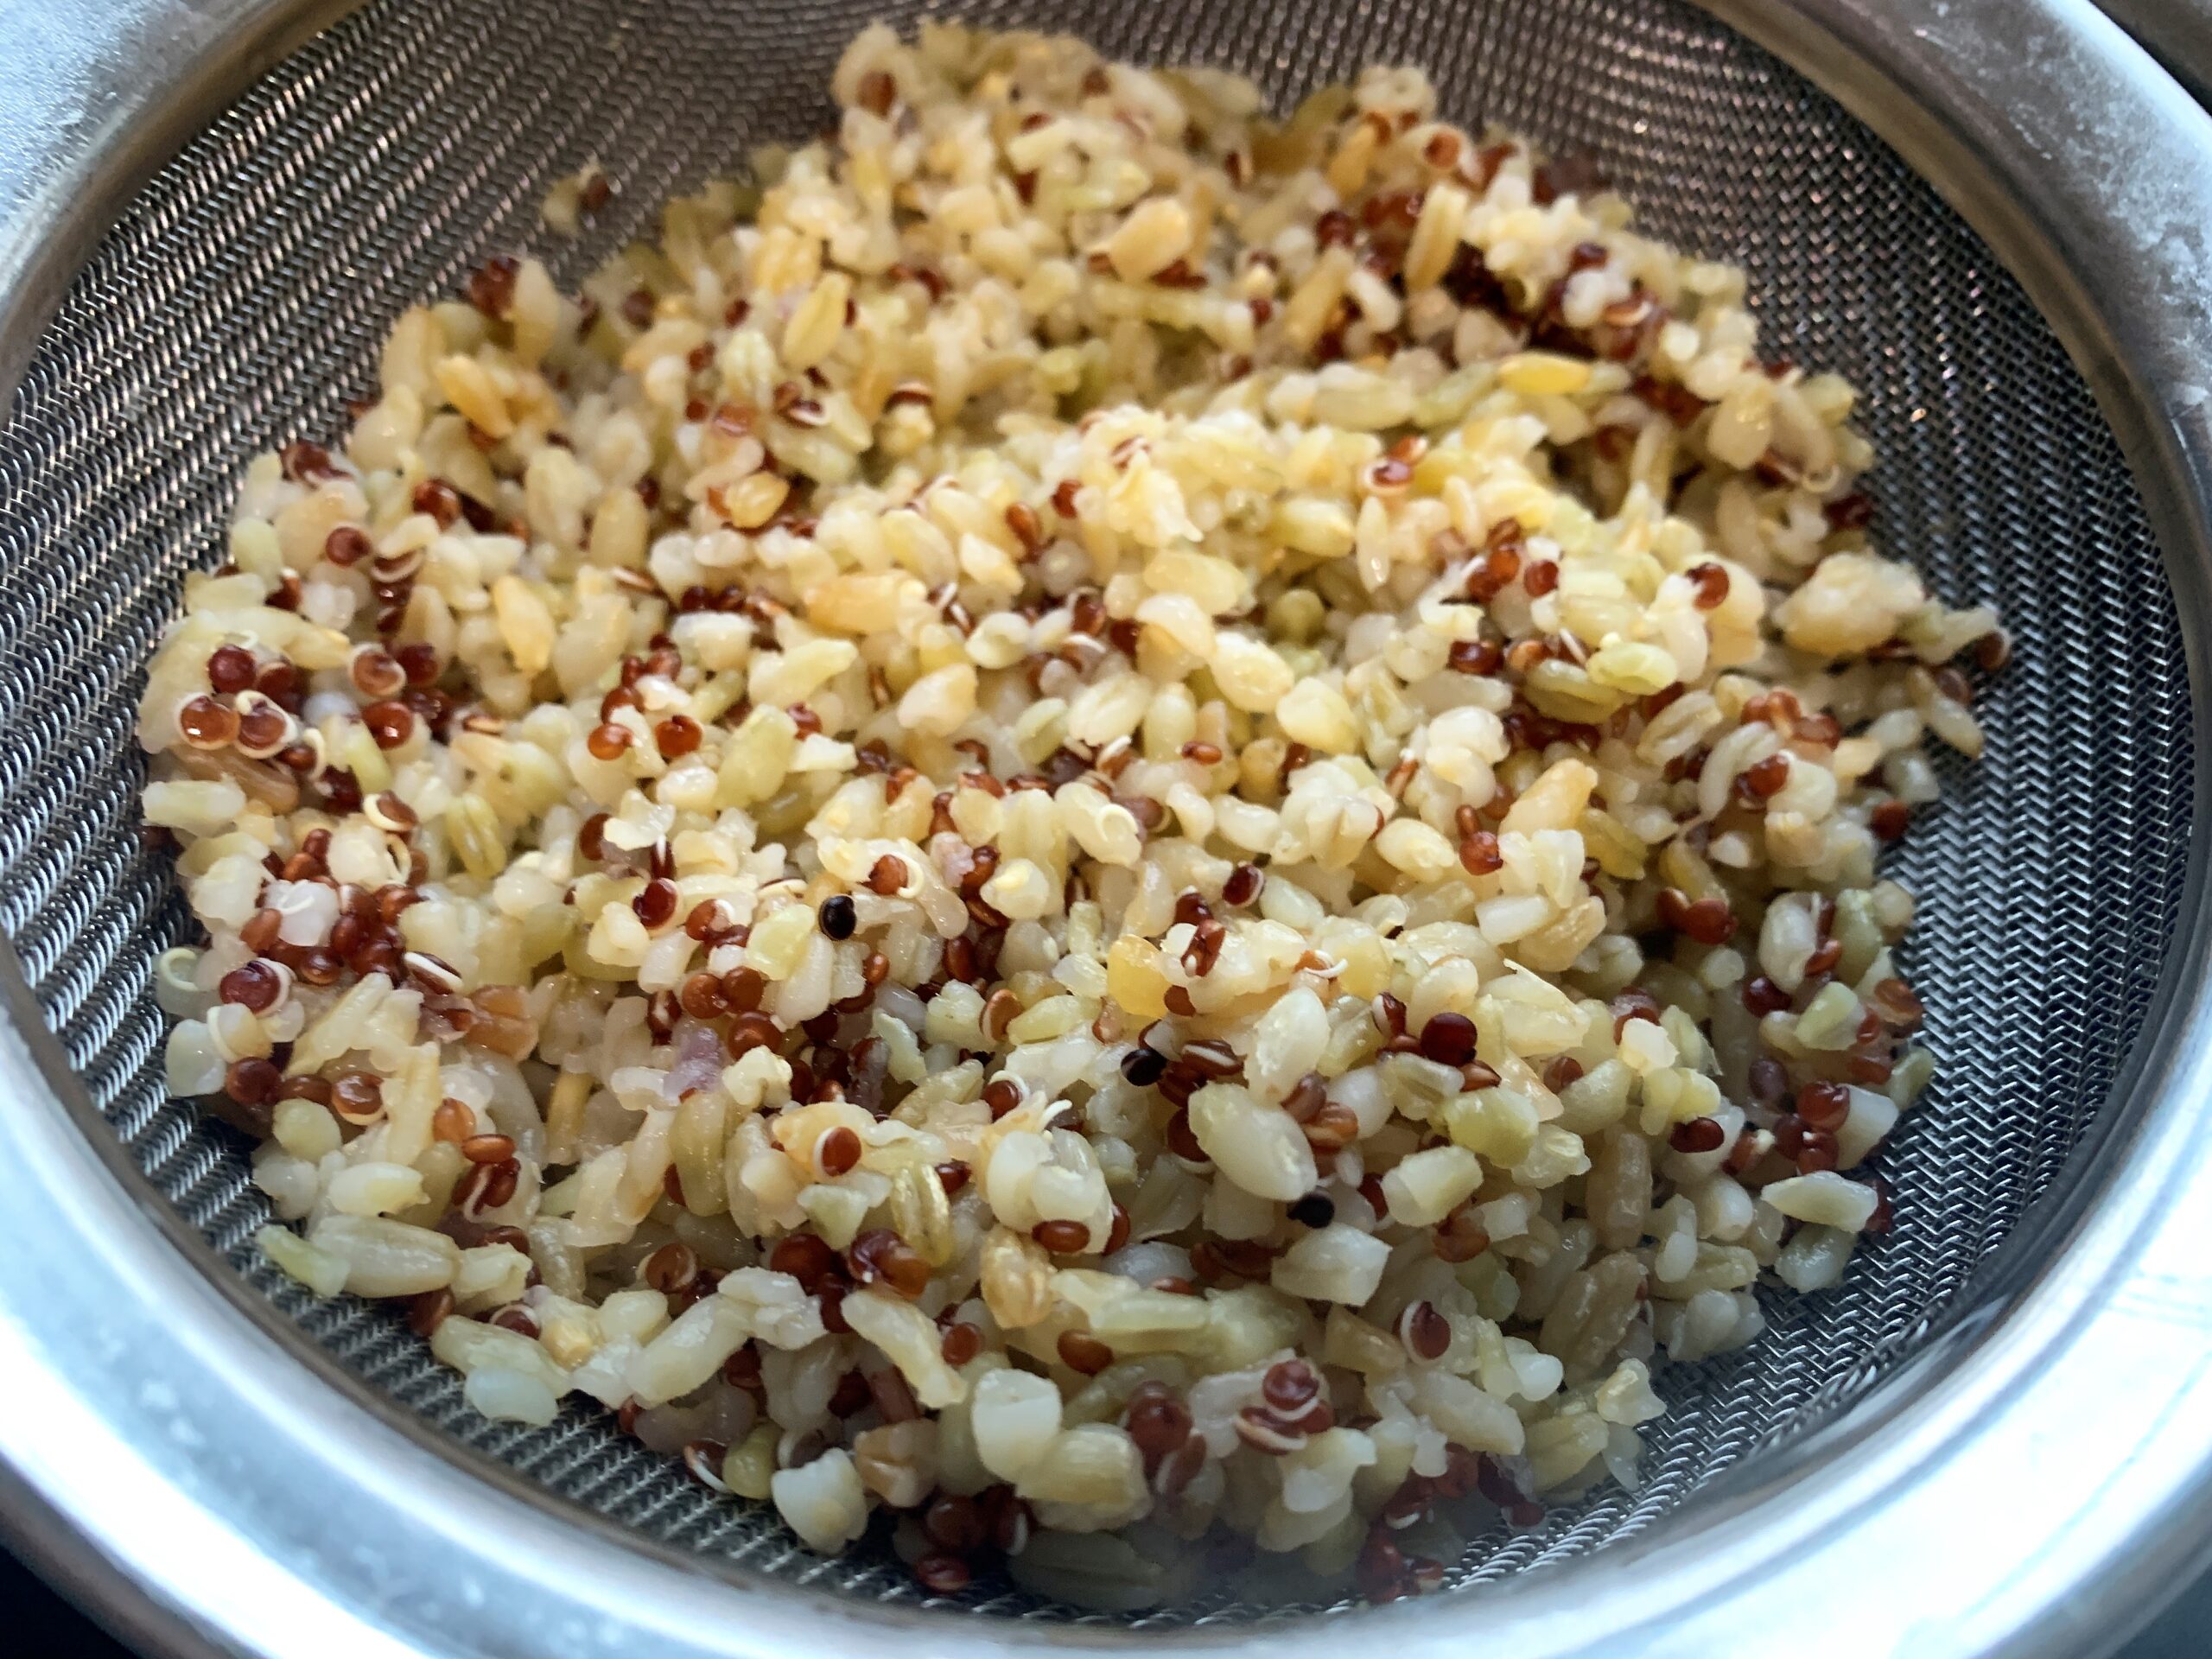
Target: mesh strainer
{"type": "Point", "coordinates": [2015, 1367]}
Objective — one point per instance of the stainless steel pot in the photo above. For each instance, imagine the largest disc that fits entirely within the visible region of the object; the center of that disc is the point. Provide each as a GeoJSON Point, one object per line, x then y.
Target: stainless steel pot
{"type": "Point", "coordinates": [1995, 1441]}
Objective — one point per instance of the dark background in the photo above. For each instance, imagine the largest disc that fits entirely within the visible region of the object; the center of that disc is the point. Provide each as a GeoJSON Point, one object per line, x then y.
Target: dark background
{"type": "Point", "coordinates": [49, 1628]}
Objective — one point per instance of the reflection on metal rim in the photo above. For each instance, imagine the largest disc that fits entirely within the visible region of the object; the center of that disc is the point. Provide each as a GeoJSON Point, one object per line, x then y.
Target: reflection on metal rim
{"type": "Point", "coordinates": [2028, 1482]}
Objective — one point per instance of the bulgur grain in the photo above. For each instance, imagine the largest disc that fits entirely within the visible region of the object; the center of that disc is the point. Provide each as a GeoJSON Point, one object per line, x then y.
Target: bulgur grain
{"type": "Point", "coordinates": [1260, 998]}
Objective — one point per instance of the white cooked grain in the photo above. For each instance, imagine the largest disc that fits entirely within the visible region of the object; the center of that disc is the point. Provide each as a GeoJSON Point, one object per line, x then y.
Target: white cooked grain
{"type": "Point", "coordinates": [1201, 734]}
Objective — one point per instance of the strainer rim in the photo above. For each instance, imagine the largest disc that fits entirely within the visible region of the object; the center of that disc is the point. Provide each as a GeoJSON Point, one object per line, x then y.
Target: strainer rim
{"type": "Point", "coordinates": [1955, 103]}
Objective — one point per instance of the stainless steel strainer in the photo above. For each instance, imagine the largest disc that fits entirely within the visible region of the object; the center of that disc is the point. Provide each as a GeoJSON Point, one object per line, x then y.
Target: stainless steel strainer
{"type": "Point", "coordinates": [1990, 1439]}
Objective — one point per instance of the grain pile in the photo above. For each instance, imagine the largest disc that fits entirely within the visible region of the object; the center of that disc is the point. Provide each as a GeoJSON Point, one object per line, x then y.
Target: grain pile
{"type": "Point", "coordinates": [1094, 819]}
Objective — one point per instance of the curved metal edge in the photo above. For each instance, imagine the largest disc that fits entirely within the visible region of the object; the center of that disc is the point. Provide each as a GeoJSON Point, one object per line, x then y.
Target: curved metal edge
{"type": "Point", "coordinates": [2177, 33]}
{"type": "Point", "coordinates": [37, 1536]}
{"type": "Point", "coordinates": [2089, 173]}
{"type": "Point", "coordinates": [82, 124]}
{"type": "Point", "coordinates": [132, 1371]}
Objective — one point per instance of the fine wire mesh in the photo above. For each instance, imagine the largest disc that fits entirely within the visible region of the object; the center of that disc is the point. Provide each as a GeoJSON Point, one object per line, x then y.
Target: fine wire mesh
{"type": "Point", "coordinates": [238, 301]}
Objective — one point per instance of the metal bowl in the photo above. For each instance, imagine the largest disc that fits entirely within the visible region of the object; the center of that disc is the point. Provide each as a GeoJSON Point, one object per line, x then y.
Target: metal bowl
{"type": "Point", "coordinates": [1993, 1439]}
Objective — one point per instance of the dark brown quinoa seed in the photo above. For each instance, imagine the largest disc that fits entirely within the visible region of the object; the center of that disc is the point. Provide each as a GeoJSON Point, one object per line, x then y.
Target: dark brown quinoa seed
{"type": "Point", "coordinates": [1265, 1432]}
{"type": "Point", "coordinates": [252, 1082]}
{"type": "Point", "coordinates": [440, 500]}
{"type": "Point", "coordinates": [376, 673]}
{"type": "Point", "coordinates": [1817, 1151]}
{"type": "Point", "coordinates": [701, 996]}
{"type": "Point", "coordinates": [1081, 1352]}
{"type": "Point", "coordinates": [1000, 1009]}
{"type": "Point", "coordinates": [253, 985]}
{"type": "Point", "coordinates": [1062, 1238]}
{"type": "Point", "coordinates": [487, 1149]}
{"type": "Point", "coordinates": [1331, 1128]}
{"type": "Point", "coordinates": [1205, 949]}
{"type": "Point", "coordinates": [1765, 777]}
{"type": "Point", "coordinates": [953, 1523]}
{"type": "Point", "coordinates": [879, 1256]}
{"type": "Point", "coordinates": [1823, 1105]}
{"type": "Point", "coordinates": [319, 967]}
{"type": "Point", "coordinates": [421, 666]}
{"type": "Point", "coordinates": [1001, 1095]}
{"type": "Point", "coordinates": [1710, 582]}
{"type": "Point", "coordinates": [389, 722]}
{"type": "Point", "coordinates": [1425, 1333]}
{"type": "Point", "coordinates": [230, 668]}
{"type": "Point", "coordinates": [669, 1269]}
{"type": "Point", "coordinates": [1480, 854]}
{"type": "Point", "coordinates": [1159, 1422]}
{"type": "Point", "coordinates": [850, 1394]}
{"type": "Point", "coordinates": [357, 1096]}
{"type": "Point", "coordinates": [1212, 1058]}
{"type": "Point", "coordinates": [1243, 886]}
{"type": "Point", "coordinates": [207, 724]}
{"type": "Point", "coordinates": [709, 920]}
{"type": "Point", "coordinates": [809, 1258]}
{"type": "Point", "coordinates": [1141, 1067]}
{"type": "Point", "coordinates": [1448, 1039]}
{"type": "Point", "coordinates": [427, 1311]}
{"type": "Point", "coordinates": [1698, 1134]}
{"type": "Point", "coordinates": [942, 1574]}
{"type": "Point", "coordinates": [1762, 996]}
{"type": "Point", "coordinates": [1897, 1004]}
{"type": "Point", "coordinates": [1634, 1003]}
{"type": "Point", "coordinates": [1708, 921]}
{"type": "Point", "coordinates": [491, 286]}
{"type": "Point", "coordinates": [1290, 1385]}
{"type": "Point", "coordinates": [486, 1186]}
{"type": "Point", "coordinates": [1460, 1236]}
{"type": "Point", "coordinates": [838, 1153]}
{"type": "Point", "coordinates": [307, 463]}
{"type": "Point", "coordinates": [1390, 1015]}
{"type": "Point", "coordinates": [676, 736]}
{"type": "Point", "coordinates": [962, 1343]}
{"type": "Point", "coordinates": [1178, 1084]}
{"type": "Point", "coordinates": [655, 905]}
{"type": "Point", "coordinates": [1477, 657]}
{"type": "Point", "coordinates": [742, 989]}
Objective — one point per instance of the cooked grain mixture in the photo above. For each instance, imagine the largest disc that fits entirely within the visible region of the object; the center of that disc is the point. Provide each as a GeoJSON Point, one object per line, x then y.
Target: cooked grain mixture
{"type": "Point", "coordinates": [1095, 821]}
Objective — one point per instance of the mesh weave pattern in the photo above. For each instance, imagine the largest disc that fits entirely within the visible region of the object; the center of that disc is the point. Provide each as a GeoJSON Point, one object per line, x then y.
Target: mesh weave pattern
{"type": "Point", "coordinates": [239, 300]}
